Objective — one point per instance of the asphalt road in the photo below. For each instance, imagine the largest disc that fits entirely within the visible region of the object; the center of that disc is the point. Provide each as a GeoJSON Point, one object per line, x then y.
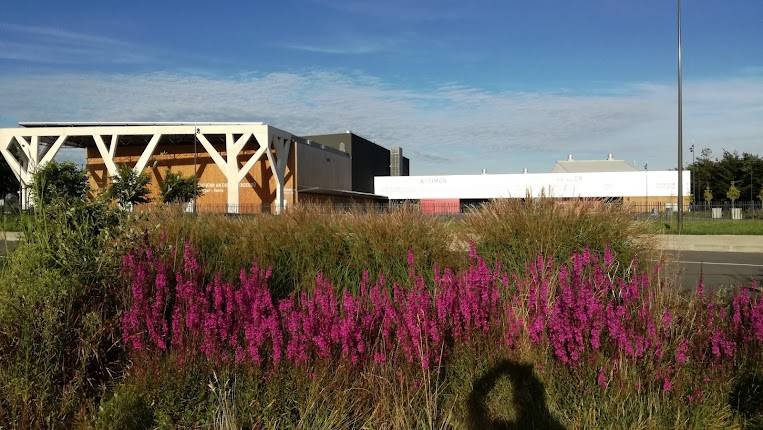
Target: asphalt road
{"type": "Point", "coordinates": [718, 269]}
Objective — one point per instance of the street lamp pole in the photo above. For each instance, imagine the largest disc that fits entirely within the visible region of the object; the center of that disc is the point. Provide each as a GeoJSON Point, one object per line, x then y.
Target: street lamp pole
{"type": "Point", "coordinates": [646, 185]}
{"type": "Point", "coordinates": [680, 123]}
{"type": "Point", "coordinates": [692, 181]}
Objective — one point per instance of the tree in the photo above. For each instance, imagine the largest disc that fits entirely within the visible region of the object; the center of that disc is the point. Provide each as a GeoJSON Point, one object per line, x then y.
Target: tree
{"type": "Point", "coordinates": [760, 196]}
{"type": "Point", "coordinates": [733, 193]}
{"type": "Point", "coordinates": [129, 187]}
{"type": "Point", "coordinates": [708, 194]}
{"type": "Point", "coordinates": [730, 166]}
{"type": "Point", "coordinates": [59, 182]}
{"type": "Point", "coordinates": [179, 189]}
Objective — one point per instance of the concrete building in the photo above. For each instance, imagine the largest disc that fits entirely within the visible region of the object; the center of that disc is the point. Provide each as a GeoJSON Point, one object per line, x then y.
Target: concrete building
{"type": "Point", "coordinates": [610, 164]}
{"type": "Point", "coordinates": [607, 179]}
{"type": "Point", "coordinates": [368, 159]}
{"type": "Point", "coordinates": [242, 167]}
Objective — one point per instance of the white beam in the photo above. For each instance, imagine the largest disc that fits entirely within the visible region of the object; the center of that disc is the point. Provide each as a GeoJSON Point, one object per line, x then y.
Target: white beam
{"type": "Point", "coordinates": [113, 145]}
{"type": "Point", "coordinates": [147, 152]}
{"type": "Point", "coordinates": [33, 151]}
{"type": "Point", "coordinates": [241, 141]}
{"type": "Point", "coordinates": [24, 145]}
{"type": "Point", "coordinates": [138, 130]}
{"type": "Point", "coordinates": [250, 163]}
{"type": "Point", "coordinates": [213, 153]}
{"type": "Point", "coordinates": [18, 172]}
{"type": "Point", "coordinates": [108, 161]}
{"type": "Point", "coordinates": [52, 151]}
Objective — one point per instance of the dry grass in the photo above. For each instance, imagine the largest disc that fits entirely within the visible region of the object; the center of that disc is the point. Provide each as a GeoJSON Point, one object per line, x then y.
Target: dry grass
{"type": "Point", "coordinates": [516, 231]}
{"type": "Point", "coordinates": [305, 241]}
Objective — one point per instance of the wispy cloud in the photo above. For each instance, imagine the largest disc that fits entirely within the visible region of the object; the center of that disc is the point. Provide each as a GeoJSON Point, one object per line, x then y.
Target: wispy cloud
{"type": "Point", "coordinates": [337, 49]}
{"type": "Point", "coordinates": [453, 128]}
{"type": "Point", "coordinates": [402, 10]}
{"type": "Point", "coordinates": [53, 45]}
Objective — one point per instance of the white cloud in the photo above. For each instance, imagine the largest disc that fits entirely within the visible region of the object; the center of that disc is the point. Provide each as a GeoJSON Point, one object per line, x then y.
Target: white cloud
{"type": "Point", "coordinates": [355, 49]}
{"type": "Point", "coordinates": [52, 45]}
{"type": "Point", "coordinates": [447, 129]}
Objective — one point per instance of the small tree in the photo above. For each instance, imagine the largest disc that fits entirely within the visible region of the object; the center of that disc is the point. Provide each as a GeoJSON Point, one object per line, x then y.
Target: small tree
{"type": "Point", "coordinates": [59, 181]}
{"type": "Point", "coordinates": [733, 193]}
{"type": "Point", "coordinates": [129, 187]}
{"type": "Point", "coordinates": [179, 189]}
{"type": "Point", "coordinates": [708, 194]}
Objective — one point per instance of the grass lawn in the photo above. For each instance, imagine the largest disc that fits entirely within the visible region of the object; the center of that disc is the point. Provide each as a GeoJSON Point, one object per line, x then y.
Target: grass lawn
{"type": "Point", "coordinates": [711, 226]}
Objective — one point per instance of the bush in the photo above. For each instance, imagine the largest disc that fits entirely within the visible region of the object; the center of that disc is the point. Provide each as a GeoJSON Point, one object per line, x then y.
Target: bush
{"type": "Point", "coordinates": [59, 181]}
{"type": "Point", "coordinates": [129, 187]}
{"type": "Point", "coordinates": [126, 409]}
{"type": "Point", "coordinates": [58, 309]}
{"type": "Point", "coordinates": [178, 189]}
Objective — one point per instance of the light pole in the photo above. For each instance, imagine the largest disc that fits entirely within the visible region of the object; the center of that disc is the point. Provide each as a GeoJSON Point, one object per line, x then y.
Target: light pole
{"type": "Point", "coordinates": [752, 199]}
{"type": "Point", "coordinates": [693, 190]}
{"type": "Point", "coordinates": [646, 185]}
{"type": "Point", "coordinates": [680, 124]}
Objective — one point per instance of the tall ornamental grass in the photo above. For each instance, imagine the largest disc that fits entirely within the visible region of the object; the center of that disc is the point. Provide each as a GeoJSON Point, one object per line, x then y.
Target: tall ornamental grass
{"type": "Point", "coordinates": [305, 241]}
{"type": "Point", "coordinates": [515, 231]}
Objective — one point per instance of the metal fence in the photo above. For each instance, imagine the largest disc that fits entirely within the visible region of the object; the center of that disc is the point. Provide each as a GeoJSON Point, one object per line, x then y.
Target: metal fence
{"type": "Point", "coordinates": [656, 211]}
{"type": "Point", "coordinates": [700, 211]}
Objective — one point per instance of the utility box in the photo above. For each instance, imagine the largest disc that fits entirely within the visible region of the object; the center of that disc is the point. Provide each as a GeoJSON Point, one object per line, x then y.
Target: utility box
{"type": "Point", "coordinates": [736, 213]}
{"type": "Point", "coordinates": [717, 213]}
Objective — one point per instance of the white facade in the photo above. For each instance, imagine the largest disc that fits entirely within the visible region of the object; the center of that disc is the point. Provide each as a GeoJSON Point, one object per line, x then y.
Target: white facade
{"type": "Point", "coordinates": [563, 185]}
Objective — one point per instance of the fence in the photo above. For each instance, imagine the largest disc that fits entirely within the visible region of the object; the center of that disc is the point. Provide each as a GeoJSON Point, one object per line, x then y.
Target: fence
{"type": "Point", "coordinates": [700, 211]}
{"type": "Point", "coordinates": [655, 211]}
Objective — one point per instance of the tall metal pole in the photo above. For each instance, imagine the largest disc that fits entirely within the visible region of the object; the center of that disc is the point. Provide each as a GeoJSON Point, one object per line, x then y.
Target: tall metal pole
{"type": "Point", "coordinates": [680, 124]}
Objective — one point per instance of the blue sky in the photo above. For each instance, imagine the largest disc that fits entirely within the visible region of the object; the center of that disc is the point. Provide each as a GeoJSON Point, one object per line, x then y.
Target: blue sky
{"type": "Point", "coordinates": [461, 86]}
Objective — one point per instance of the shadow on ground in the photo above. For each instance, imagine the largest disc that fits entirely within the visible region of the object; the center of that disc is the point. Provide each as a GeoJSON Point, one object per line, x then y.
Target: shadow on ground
{"type": "Point", "coordinates": [746, 399]}
{"type": "Point", "coordinates": [528, 394]}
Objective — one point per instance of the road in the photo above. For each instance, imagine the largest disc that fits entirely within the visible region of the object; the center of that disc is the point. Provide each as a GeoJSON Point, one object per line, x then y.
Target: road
{"type": "Point", "coordinates": [718, 269]}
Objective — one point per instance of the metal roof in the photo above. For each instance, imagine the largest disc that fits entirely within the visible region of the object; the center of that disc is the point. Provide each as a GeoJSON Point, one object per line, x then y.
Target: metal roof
{"type": "Point", "coordinates": [589, 166]}
{"type": "Point", "coordinates": [33, 124]}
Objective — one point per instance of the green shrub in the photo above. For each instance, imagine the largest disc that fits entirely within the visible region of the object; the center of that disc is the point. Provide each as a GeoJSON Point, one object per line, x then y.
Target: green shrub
{"type": "Point", "coordinates": [127, 409]}
{"type": "Point", "coordinates": [59, 304]}
{"type": "Point", "coordinates": [129, 187]}
{"type": "Point", "coordinates": [175, 188]}
{"type": "Point", "coordinates": [58, 181]}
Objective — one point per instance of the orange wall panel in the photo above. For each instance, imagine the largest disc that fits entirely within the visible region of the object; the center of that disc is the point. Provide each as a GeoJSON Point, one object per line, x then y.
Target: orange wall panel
{"type": "Point", "coordinates": [257, 189]}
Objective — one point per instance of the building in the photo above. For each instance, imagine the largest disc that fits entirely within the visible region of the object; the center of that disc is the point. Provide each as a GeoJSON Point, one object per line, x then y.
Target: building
{"type": "Point", "coordinates": [610, 164]}
{"type": "Point", "coordinates": [368, 159]}
{"type": "Point", "coordinates": [608, 179]}
{"type": "Point", "coordinates": [242, 167]}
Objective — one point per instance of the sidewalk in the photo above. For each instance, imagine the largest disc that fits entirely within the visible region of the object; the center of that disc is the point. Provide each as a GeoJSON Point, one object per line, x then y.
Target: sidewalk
{"type": "Point", "coordinates": [712, 243]}
{"type": "Point", "coordinates": [10, 236]}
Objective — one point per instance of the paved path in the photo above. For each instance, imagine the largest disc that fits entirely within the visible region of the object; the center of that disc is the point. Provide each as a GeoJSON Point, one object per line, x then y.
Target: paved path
{"type": "Point", "coordinates": [715, 242]}
{"type": "Point", "coordinates": [8, 242]}
{"type": "Point", "coordinates": [718, 269]}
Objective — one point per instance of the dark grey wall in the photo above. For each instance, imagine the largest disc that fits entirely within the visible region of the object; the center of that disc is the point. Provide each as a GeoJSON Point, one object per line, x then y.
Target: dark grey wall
{"type": "Point", "coordinates": [368, 158]}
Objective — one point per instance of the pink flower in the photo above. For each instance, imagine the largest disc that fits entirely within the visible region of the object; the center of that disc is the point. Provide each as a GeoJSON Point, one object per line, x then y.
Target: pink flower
{"type": "Point", "coordinates": [601, 379]}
